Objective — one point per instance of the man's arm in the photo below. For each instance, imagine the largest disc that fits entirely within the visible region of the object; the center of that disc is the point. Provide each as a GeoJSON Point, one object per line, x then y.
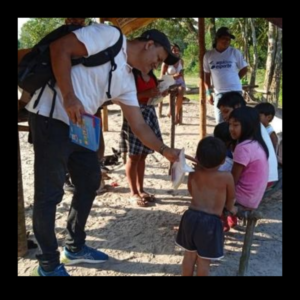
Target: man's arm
{"type": "Point", "coordinates": [61, 52]}
{"type": "Point", "coordinates": [145, 134]}
{"type": "Point", "coordinates": [243, 72]}
{"type": "Point", "coordinates": [207, 84]}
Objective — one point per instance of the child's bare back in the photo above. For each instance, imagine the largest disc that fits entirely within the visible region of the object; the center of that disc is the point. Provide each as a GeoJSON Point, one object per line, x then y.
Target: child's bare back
{"type": "Point", "coordinates": [211, 190]}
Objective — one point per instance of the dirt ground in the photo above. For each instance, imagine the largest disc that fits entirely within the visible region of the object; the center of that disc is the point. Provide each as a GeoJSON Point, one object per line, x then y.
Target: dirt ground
{"type": "Point", "coordinates": [140, 241]}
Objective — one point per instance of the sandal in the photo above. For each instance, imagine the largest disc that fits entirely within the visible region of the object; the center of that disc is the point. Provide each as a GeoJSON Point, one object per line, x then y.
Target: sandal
{"type": "Point", "coordinates": [147, 197]}
{"type": "Point", "coordinates": [142, 202]}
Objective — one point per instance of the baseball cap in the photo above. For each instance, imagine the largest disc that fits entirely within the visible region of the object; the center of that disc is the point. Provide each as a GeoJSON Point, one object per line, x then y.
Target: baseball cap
{"type": "Point", "coordinates": [224, 31]}
{"type": "Point", "coordinates": [160, 38]}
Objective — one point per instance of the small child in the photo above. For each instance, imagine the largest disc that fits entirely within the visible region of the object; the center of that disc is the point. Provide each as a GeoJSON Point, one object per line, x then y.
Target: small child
{"type": "Point", "coordinates": [221, 131]}
{"type": "Point", "coordinates": [201, 229]}
{"type": "Point", "coordinates": [266, 113]}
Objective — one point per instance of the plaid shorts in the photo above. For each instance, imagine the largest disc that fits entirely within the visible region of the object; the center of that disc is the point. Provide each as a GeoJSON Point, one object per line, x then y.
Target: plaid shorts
{"type": "Point", "coordinates": [129, 142]}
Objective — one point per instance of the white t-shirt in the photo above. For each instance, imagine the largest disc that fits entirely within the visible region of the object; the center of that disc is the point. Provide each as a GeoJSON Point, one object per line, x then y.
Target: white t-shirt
{"type": "Point", "coordinates": [272, 160]}
{"type": "Point", "coordinates": [224, 68]}
{"type": "Point", "coordinates": [91, 83]}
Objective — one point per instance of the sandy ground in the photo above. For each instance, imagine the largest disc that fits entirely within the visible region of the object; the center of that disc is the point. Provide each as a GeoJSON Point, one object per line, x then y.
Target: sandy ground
{"type": "Point", "coordinates": [140, 241]}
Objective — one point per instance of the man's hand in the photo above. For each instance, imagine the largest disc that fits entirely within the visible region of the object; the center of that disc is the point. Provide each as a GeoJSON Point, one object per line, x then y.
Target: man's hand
{"type": "Point", "coordinates": [210, 99]}
{"type": "Point", "coordinates": [171, 154]}
{"type": "Point", "coordinates": [74, 109]}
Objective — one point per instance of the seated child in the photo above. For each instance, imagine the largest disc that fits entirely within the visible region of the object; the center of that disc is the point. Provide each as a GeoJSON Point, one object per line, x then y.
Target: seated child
{"type": "Point", "coordinates": [266, 113]}
{"type": "Point", "coordinates": [201, 229]}
{"type": "Point", "coordinates": [221, 131]}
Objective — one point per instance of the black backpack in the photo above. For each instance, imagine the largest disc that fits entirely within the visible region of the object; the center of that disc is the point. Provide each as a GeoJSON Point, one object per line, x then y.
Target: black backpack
{"type": "Point", "coordinates": [35, 70]}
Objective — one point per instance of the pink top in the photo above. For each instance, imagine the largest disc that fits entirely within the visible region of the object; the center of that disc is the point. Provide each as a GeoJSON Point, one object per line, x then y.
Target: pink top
{"type": "Point", "coordinates": [253, 181]}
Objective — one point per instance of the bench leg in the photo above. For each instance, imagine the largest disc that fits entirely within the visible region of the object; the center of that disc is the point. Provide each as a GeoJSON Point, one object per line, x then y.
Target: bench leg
{"type": "Point", "coordinates": [244, 260]}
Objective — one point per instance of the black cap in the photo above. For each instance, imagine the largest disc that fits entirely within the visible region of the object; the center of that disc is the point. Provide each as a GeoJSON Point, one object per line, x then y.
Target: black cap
{"type": "Point", "coordinates": [160, 38]}
{"type": "Point", "coordinates": [224, 31]}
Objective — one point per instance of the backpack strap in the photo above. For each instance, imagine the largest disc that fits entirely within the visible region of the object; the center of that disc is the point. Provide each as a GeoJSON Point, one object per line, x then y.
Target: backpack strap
{"type": "Point", "coordinates": [103, 57]}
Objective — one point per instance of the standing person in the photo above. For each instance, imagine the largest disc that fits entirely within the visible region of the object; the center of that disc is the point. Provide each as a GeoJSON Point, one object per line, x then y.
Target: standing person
{"type": "Point", "coordinates": [83, 89]}
{"type": "Point", "coordinates": [224, 66]}
{"type": "Point", "coordinates": [201, 229]}
{"type": "Point", "coordinates": [177, 72]}
{"type": "Point", "coordinates": [146, 85]}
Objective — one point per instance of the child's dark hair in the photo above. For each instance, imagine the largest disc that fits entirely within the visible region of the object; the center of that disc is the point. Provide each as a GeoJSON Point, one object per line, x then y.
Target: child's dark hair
{"type": "Point", "coordinates": [211, 152]}
{"type": "Point", "coordinates": [266, 109]}
{"type": "Point", "coordinates": [231, 99]}
{"type": "Point", "coordinates": [137, 73]}
{"type": "Point", "coordinates": [250, 123]}
{"type": "Point", "coordinates": [221, 131]}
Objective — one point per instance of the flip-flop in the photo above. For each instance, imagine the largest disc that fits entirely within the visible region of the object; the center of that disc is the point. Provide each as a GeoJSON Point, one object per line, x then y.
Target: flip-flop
{"type": "Point", "coordinates": [142, 202]}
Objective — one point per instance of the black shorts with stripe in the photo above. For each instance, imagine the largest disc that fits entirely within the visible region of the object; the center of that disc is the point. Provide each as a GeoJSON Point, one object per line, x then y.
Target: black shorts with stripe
{"type": "Point", "coordinates": [201, 232]}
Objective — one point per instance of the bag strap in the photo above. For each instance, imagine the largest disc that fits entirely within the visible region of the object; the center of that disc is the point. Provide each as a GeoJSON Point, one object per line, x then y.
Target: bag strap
{"type": "Point", "coordinates": [103, 57]}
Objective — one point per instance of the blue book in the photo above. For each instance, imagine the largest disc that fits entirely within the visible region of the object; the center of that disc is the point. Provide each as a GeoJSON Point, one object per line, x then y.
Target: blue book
{"type": "Point", "coordinates": [88, 134]}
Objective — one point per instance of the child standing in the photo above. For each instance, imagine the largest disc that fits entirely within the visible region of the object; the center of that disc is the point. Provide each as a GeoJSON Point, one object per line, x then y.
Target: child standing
{"type": "Point", "coordinates": [266, 113]}
{"type": "Point", "coordinates": [250, 158]}
{"type": "Point", "coordinates": [201, 230]}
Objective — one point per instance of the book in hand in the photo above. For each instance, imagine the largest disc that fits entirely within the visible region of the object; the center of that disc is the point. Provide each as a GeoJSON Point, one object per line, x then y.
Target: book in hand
{"type": "Point", "coordinates": [179, 169]}
{"type": "Point", "coordinates": [88, 134]}
{"type": "Point", "coordinates": [164, 84]}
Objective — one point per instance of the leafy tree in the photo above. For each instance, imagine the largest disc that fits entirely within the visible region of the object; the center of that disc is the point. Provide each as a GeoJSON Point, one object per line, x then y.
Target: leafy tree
{"type": "Point", "coordinates": [36, 28]}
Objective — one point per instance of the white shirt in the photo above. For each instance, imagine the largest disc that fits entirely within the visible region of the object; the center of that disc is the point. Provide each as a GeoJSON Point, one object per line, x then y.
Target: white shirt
{"type": "Point", "coordinates": [224, 68]}
{"type": "Point", "coordinates": [91, 83]}
{"type": "Point", "coordinates": [272, 160]}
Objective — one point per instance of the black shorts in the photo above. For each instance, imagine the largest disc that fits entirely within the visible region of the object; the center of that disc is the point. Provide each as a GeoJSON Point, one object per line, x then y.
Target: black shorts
{"type": "Point", "coordinates": [201, 232]}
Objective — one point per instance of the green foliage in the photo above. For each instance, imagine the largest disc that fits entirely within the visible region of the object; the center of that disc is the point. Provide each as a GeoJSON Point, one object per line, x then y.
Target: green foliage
{"type": "Point", "coordinates": [191, 64]}
{"type": "Point", "coordinates": [36, 28]}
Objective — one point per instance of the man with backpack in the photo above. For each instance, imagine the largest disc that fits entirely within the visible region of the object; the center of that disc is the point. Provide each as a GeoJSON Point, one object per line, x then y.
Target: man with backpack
{"type": "Point", "coordinates": [83, 89]}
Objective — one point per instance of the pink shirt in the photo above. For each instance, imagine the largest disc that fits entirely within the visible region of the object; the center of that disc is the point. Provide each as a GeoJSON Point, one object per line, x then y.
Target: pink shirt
{"type": "Point", "coordinates": [252, 184]}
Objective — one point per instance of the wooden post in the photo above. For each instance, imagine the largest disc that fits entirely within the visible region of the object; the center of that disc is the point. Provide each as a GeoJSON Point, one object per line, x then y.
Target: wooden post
{"type": "Point", "coordinates": [160, 106]}
{"type": "Point", "coordinates": [202, 99]}
{"type": "Point", "coordinates": [172, 97]}
{"type": "Point", "coordinates": [105, 118]}
{"type": "Point", "coordinates": [244, 260]}
{"type": "Point", "coordinates": [22, 239]}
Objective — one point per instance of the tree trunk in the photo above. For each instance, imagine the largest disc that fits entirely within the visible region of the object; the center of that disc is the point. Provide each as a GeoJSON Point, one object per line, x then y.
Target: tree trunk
{"type": "Point", "coordinates": [270, 59]}
{"type": "Point", "coordinates": [275, 85]}
{"type": "Point", "coordinates": [245, 48]}
{"type": "Point", "coordinates": [212, 30]}
{"type": "Point", "coordinates": [255, 55]}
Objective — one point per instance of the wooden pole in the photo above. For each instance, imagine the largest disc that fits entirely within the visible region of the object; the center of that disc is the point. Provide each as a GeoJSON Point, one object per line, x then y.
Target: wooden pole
{"type": "Point", "coordinates": [202, 101]}
{"type": "Point", "coordinates": [172, 96]}
{"type": "Point", "coordinates": [22, 239]}
{"type": "Point", "coordinates": [244, 260]}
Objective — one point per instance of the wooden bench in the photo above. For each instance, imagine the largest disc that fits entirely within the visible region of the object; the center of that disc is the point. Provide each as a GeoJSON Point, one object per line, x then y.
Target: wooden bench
{"type": "Point", "coordinates": [251, 218]}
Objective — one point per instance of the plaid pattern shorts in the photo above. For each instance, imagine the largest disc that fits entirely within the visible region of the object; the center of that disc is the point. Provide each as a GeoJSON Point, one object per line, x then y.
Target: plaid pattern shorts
{"type": "Point", "coordinates": [129, 142]}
